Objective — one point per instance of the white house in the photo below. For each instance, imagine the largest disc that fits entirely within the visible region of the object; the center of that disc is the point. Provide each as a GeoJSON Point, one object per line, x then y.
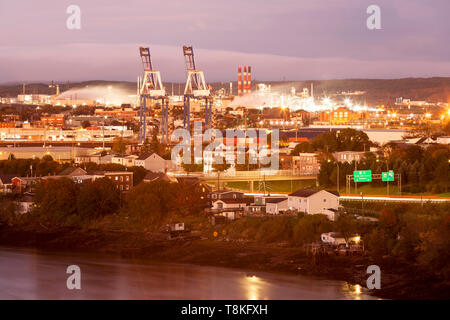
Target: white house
{"type": "Point", "coordinates": [276, 205]}
{"type": "Point", "coordinates": [229, 207]}
{"type": "Point", "coordinates": [155, 163]}
{"type": "Point", "coordinates": [443, 140]}
{"type": "Point", "coordinates": [127, 161]}
{"type": "Point", "coordinates": [312, 201]}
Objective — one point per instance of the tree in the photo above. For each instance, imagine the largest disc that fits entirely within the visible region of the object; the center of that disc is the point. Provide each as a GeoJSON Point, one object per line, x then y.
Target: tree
{"type": "Point", "coordinates": [309, 228]}
{"type": "Point", "coordinates": [57, 197]}
{"type": "Point", "coordinates": [98, 199]}
{"type": "Point", "coordinates": [85, 124]}
{"type": "Point", "coordinates": [388, 221]}
{"type": "Point", "coordinates": [346, 225]}
{"type": "Point", "coordinates": [221, 167]}
{"type": "Point", "coordinates": [155, 145]}
{"type": "Point", "coordinates": [303, 147]}
{"type": "Point", "coordinates": [326, 142]}
{"type": "Point", "coordinates": [119, 145]}
{"type": "Point", "coordinates": [353, 140]}
{"type": "Point", "coordinates": [47, 157]}
{"type": "Point", "coordinates": [139, 174]}
{"type": "Point", "coordinates": [325, 173]}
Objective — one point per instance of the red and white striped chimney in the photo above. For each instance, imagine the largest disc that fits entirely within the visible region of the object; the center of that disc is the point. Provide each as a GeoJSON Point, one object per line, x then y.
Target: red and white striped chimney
{"type": "Point", "coordinates": [239, 80]}
{"type": "Point", "coordinates": [245, 79]}
{"type": "Point", "coordinates": [249, 80]}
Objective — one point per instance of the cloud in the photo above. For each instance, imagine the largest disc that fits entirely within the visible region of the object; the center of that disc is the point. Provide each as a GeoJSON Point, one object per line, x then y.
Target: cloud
{"type": "Point", "coordinates": [76, 62]}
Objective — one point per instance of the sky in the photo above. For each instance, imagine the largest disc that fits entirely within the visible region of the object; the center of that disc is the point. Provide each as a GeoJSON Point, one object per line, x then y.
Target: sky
{"type": "Point", "coordinates": [280, 39]}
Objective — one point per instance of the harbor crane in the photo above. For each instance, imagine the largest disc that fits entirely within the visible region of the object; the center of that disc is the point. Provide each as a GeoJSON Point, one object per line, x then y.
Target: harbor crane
{"type": "Point", "coordinates": [150, 87]}
{"type": "Point", "coordinates": [195, 88]}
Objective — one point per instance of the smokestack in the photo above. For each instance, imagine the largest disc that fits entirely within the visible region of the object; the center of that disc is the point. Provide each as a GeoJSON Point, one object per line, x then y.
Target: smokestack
{"type": "Point", "coordinates": [231, 89]}
{"type": "Point", "coordinates": [249, 80]}
{"type": "Point", "coordinates": [245, 79]}
{"type": "Point", "coordinates": [239, 81]}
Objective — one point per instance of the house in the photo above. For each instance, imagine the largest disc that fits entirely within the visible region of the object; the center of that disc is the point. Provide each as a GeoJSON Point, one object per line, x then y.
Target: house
{"type": "Point", "coordinates": [122, 179]}
{"type": "Point", "coordinates": [95, 158]}
{"type": "Point", "coordinates": [155, 163]}
{"type": "Point", "coordinates": [276, 205]}
{"type": "Point", "coordinates": [443, 140]}
{"type": "Point", "coordinates": [6, 183]}
{"type": "Point", "coordinates": [127, 161]}
{"type": "Point", "coordinates": [312, 201]}
{"type": "Point", "coordinates": [226, 194]}
{"type": "Point", "coordinates": [23, 184]}
{"type": "Point", "coordinates": [231, 208]}
{"type": "Point", "coordinates": [156, 176]}
{"type": "Point", "coordinates": [306, 163]}
{"type": "Point", "coordinates": [348, 156]}
{"type": "Point", "coordinates": [73, 172]}
{"type": "Point", "coordinates": [197, 185]}
{"type": "Point", "coordinates": [258, 206]}
{"type": "Point", "coordinates": [25, 203]}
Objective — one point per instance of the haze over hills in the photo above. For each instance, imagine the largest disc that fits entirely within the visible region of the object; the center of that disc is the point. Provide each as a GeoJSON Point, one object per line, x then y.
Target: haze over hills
{"type": "Point", "coordinates": [376, 91]}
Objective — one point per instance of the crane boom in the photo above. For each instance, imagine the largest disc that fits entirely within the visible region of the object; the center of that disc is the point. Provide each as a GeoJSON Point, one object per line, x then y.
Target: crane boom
{"type": "Point", "coordinates": [188, 52]}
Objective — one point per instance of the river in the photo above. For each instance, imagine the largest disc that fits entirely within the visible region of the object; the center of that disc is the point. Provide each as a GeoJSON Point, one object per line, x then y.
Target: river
{"type": "Point", "coordinates": [32, 274]}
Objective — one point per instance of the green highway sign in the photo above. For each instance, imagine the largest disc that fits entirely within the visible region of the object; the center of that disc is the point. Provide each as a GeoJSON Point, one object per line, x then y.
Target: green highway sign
{"type": "Point", "coordinates": [362, 176]}
{"type": "Point", "coordinates": [387, 176]}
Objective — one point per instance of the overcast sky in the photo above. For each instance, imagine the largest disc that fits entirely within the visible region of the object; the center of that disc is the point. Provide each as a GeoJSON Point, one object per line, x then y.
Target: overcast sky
{"type": "Point", "coordinates": [280, 39]}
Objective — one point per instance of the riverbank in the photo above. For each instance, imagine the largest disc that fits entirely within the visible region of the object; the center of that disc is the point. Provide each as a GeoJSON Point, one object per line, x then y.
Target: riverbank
{"type": "Point", "coordinates": [399, 280]}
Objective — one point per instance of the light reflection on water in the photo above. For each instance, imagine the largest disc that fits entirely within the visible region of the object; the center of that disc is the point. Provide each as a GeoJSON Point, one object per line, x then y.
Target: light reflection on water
{"type": "Point", "coordinates": [28, 274]}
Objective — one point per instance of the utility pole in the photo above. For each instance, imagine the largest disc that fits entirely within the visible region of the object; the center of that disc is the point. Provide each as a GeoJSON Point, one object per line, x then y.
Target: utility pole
{"type": "Point", "coordinates": [337, 180]}
{"type": "Point", "coordinates": [387, 168]}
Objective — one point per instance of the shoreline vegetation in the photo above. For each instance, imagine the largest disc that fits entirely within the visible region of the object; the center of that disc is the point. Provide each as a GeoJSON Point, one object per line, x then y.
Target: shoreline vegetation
{"type": "Point", "coordinates": [399, 280]}
{"type": "Point", "coordinates": [410, 243]}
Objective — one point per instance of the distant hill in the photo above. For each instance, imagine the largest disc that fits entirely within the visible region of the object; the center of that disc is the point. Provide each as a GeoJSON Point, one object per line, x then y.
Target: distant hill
{"type": "Point", "coordinates": [377, 91]}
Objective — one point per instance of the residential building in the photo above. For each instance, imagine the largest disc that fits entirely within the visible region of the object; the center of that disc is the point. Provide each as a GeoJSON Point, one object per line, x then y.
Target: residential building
{"type": "Point", "coordinates": [443, 140]}
{"type": "Point", "coordinates": [312, 201]}
{"type": "Point", "coordinates": [348, 156]}
{"type": "Point", "coordinates": [276, 205]}
{"type": "Point", "coordinates": [306, 164]}
{"type": "Point", "coordinates": [231, 208]}
{"type": "Point", "coordinates": [6, 183]}
{"type": "Point", "coordinates": [123, 179]}
{"type": "Point", "coordinates": [73, 172]}
{"type": "Point", "coordinates": [155, 163]}
{"type": "Point", "coordinates": [24, 184]}
{"type": "Point", "coordinates": [127, 160]}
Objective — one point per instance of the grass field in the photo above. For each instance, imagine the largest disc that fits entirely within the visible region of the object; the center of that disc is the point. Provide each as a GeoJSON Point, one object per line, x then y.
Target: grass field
{"type": "Point", "coordinates": [287, 186]}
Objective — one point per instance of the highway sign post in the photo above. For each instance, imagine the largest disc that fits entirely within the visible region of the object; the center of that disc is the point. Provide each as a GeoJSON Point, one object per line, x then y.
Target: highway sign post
{"type": "Point", "coordinates": [387, 176]}
{"type": "Point", "coordinates": [368, 176]}
{"type": "Point", "coordinates": [362, 176]}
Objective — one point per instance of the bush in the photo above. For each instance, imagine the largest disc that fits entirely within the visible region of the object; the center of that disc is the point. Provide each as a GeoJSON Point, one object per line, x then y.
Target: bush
{"type": "Point", "coordinates": [309, 228]}
{"type": "Point", "coordinates": [98, 199]}
{"type": "Point", "coordinates": [57, 197]}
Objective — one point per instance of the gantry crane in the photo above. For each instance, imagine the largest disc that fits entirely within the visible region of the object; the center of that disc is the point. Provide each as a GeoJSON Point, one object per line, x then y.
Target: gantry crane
{"type": "Point", "coordinates": [195, 88]}
{"type": "Point", "coordinates": [150, 87]}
